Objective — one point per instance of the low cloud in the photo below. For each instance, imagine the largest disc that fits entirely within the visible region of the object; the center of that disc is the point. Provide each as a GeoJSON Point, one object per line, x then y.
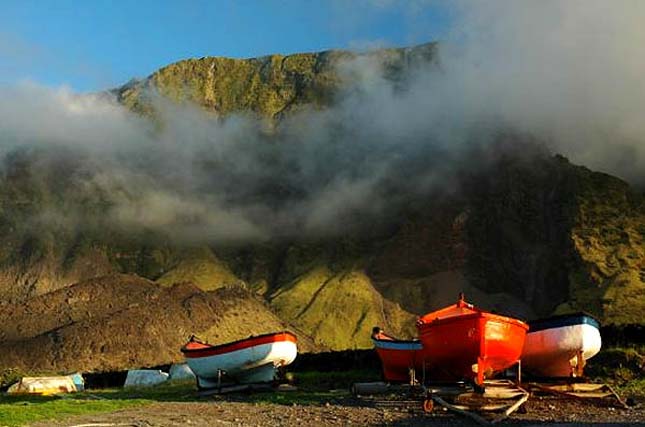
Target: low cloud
{"type": "Point", "coordinates": [568, 74]}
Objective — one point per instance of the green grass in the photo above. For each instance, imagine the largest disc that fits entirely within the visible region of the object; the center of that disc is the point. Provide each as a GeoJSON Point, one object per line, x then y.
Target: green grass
{"type": "Point", "coordinates": [33, 408]}
{"type": "Point", "coordinates": [170, 392]}
{"type": "Point", "coordinates": [621, 367]}
{"type": "Point", "coordinates": [313, 388]}
{"type": "Point", "coordinates": [616, 366]}
{"type": "Point", "coordinates": [633, 388]}
{"type": "Point", "coordinates": [318, 381]}
{"type": "Point", "coordinates": [17, 410]}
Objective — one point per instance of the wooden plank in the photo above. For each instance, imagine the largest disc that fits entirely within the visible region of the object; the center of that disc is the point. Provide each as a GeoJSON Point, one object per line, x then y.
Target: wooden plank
{"type": "Point", "coordinates": [286, 387]}
{"type": "Point", "coordinates": [512, 409]}
{"type": "Point", "coordinates": [484, 408]}
{"type": "Point", "coordinates": [588, 387]}
{"type": "Point", "coordinates": [477, 418]}
{"type": "Point", "coordinates": [581, 391]}
{"type": "Point", "coordinates": [499, 383]}
{"type": "Point", "coordinates": [575, 387]}
{"type": "Point", "coordinates": [503, 394]}
{"type": "Point", "coordinates": [618, 398]}
{"type": "Point", "coordinates": [509, 396]}
{"type": "Point", "coordinates": [591, 395]}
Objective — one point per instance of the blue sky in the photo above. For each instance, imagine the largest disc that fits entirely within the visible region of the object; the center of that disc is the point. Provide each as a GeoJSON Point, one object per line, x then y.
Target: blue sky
{"type": "Point", "coordinates": [96, 44]}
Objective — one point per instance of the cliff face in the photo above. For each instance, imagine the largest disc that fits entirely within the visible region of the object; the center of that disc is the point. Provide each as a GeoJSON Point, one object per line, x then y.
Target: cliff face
{"type": "Point", "coordinates": [271, 86]}
{"type": "Point", "coordinates": [533, 235]}
{"type": "Point", "coordinates": [607, 276]}
{"type": "Point", "coordinates": [528, 234]}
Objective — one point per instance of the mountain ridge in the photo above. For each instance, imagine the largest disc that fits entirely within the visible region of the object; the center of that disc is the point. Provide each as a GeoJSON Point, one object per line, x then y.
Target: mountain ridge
{"type": "Point", "coordinates": [526, 232]}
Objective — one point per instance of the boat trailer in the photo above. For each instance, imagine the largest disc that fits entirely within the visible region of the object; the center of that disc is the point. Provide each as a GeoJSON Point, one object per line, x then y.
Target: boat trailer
{"type": "Point", "coordinates": [578, 390]}
{"type": "Point", "coordinates": [496, 401]}
{"type": "Point", "coordinates": [500, 398]}
{"type": "Point", "coordinates": [485, 405]}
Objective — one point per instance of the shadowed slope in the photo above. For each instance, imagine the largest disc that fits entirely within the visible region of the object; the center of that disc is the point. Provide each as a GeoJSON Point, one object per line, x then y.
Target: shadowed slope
{"type": "Point", "coordinates": [122, 321]}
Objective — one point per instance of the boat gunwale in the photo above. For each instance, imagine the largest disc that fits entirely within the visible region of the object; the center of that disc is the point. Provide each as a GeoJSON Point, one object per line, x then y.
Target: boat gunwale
{"type": "Point", "coordinates": [477, 314]}
{"type": "Point", "coordinates": [391, 339]}
{"type": "Point", "coordinates": [412, 341]}
{"type": "Point", "coordinates": [551, 322]}
{"type": "Point", "coordinates": [219, 349]}
{"type": "Point", "coordinates": [391, 344]}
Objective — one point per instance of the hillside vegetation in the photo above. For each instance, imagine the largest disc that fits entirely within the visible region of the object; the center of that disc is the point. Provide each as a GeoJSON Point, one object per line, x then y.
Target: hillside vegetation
{"type": "Point", "coordinates": [270, 86]}
{"type": "Point", "coordinates": [529, 235]}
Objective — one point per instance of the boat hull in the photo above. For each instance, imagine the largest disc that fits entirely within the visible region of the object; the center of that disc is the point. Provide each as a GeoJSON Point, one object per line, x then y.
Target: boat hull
{"type": "Point", "coordinates": [253, 360]}
{"type": "Point", "coordinates": [398, 358]}
{"type": "Point", "coordinates": [471, 346]}
{"type": "Point", "coordinates": [560, 346]}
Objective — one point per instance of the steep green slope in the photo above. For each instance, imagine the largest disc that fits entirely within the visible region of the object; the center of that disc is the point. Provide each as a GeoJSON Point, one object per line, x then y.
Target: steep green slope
{"type": "Point", "coordinates": [524, 237]}
{"type": "Point", "coordinates": [201, 267]}
{"type": "Point", "coordinates": [536, 235]}
{"type": "Point", "coordinates": [339, 309]}
{"type": "Point", "coordinates": [527, 234]}
{"type": "Point", "coordinates": [608, 237]}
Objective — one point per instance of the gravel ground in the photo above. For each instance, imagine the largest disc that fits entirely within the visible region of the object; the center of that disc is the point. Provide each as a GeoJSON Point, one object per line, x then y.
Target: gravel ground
{"type": "Point", "coordinates": [235, 412]}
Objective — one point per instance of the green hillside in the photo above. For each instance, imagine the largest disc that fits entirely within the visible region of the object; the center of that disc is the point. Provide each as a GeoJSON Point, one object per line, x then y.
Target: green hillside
{"type": "Point", "coordinates": [270, 86]}
{"type": "Point", "coordinates": [528, 234]}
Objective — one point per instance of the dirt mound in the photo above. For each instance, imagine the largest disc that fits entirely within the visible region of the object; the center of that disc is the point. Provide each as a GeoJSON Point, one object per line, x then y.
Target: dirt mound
{"type": "Point", "coordinates": [124, 321]}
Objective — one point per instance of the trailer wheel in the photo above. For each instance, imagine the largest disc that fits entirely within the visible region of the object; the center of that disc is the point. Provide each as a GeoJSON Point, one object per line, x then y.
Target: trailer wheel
{"type": "Point", "coordinates": [428, 405]}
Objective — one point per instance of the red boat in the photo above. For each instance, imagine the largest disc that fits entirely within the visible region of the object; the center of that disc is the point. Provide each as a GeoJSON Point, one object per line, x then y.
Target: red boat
{"type": "Point", "coordinates": [464, 342]}
{"type": "Point", "coordinates": [398, 357]}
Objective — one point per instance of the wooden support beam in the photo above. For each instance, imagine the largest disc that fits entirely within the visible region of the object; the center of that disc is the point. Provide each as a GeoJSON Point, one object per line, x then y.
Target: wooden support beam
{"type": "Point", "coordinates": [478, 419]}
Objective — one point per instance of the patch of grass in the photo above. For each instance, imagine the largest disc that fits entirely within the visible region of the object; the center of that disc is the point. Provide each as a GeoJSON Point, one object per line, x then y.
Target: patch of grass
{"type": "Point", "coordinates": [617, 363]}
{"type": "Point", "coordinates": [17, 410]}
{"type": "Point", "coordinates": [634, 389]}
{"type": "Point", "coordinates": [9, 376]}
{"type": "Point", "coordinates": [314, 388]}
{"type": "Point", "coordinates": [169, 392]}
{"type": "Point", "coordinates": [622, 367]}
{"type": "Point", "coordinates": [38, 408]}
{"type": "Point", "coordinates": [316, 381]}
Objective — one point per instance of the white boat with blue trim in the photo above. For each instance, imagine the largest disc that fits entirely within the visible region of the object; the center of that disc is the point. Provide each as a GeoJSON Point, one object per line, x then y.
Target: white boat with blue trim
{"type": "Point", "coordinates": [559, 346]}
